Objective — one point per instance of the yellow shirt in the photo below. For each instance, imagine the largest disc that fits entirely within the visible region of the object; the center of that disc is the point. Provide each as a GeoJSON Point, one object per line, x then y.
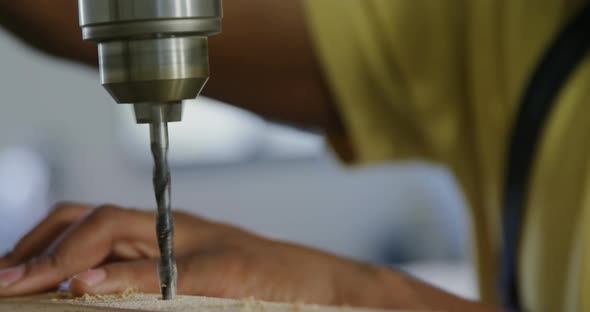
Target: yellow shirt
{"type": "Point", "coordinates": [441, 80]}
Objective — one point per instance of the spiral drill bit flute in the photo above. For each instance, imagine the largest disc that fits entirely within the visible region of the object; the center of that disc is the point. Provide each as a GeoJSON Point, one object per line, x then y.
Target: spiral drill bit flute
{"type": "Point", "coordinates": [154, 54]}
{"type": "Point", "coordinates": [164, 220]}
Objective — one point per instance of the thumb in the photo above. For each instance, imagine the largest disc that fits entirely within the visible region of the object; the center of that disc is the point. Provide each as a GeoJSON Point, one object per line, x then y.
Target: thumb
{"type": "Point", "coordinates": [117, 278]}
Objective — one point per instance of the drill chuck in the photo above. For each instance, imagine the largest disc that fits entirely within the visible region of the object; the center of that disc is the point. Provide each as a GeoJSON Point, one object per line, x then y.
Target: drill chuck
{"type": "Point", "coordinates": [152, 51]}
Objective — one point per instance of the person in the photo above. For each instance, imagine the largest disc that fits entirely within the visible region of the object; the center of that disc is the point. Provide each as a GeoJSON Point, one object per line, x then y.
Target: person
{"type": "Point", "coordinates": [384, 80]}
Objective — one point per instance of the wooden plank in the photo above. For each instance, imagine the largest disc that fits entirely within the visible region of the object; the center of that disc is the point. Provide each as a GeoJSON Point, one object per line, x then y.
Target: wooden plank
{"type": "Point", "coordinates": [151, 303]}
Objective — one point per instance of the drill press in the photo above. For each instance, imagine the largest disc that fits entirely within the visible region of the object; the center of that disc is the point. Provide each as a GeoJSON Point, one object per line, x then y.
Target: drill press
{"type": "Point", "coordinates": [154, 54]}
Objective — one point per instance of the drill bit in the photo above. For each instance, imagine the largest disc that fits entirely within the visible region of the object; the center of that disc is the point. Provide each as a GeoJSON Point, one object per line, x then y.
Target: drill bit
{"type": "Point", "coordinates": [164, 220]}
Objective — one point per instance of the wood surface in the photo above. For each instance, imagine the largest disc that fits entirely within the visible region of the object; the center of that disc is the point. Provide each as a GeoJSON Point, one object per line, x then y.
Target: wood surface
{"type": "Point", "coordinates": [59, 302]}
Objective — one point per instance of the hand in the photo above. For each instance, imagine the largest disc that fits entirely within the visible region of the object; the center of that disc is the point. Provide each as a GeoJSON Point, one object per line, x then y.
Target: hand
{"type": "Point", "coordinates": [110, 249]}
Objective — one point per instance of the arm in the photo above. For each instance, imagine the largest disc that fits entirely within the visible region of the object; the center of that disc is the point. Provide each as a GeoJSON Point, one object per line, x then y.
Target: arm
{"type": "Point", "coordinates": [216, 260]}
{"type": "Point", "coordinates": [263, 61]}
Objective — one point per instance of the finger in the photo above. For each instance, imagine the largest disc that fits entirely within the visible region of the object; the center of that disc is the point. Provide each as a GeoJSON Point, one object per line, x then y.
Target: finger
{"type": "Point", "coordinates": [38, 239]}
{"type": "Point", "coordinates": [117, 278]}
{"type": "Point", "coordinates": [205, 275]}
{"type": "Point", "coordinates": [83, 246]}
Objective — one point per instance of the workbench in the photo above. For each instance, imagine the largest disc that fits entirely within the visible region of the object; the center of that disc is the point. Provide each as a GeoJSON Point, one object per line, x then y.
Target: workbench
{"type": "Point", "coordinates": [61, 302]}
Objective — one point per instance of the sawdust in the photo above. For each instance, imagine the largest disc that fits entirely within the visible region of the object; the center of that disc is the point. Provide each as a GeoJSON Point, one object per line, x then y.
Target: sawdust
{"type": "Point", "coordinates": [135, 301]}
{"type": "Point", "coordinates": [132, 300]}
{"type": "Point", "coordinates": [128, 294]}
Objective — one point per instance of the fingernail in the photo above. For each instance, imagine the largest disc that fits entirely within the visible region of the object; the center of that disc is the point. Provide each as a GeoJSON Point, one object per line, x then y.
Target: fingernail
{"type": "Point", "coordinates": [92, 277]}
{"type": "Point", "coordinates": [11, 275]}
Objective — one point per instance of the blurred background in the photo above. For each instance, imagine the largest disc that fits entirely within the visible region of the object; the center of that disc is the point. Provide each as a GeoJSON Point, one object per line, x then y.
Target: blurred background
{"type": "Point", "coordinates": [63, 138]}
